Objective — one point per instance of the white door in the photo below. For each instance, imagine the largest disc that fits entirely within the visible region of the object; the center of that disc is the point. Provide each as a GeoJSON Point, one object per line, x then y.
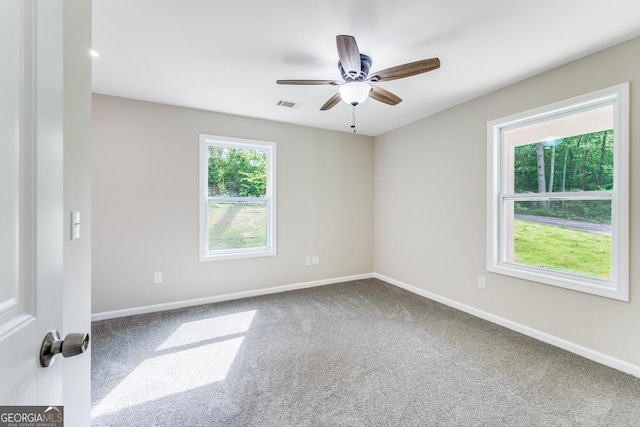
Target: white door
{"type": "Point", "coordinates": [32, 221]}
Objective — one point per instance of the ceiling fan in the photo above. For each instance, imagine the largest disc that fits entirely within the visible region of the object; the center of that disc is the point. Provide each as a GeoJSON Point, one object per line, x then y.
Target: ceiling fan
{"type": "Point", "coordinates": [354, 68]}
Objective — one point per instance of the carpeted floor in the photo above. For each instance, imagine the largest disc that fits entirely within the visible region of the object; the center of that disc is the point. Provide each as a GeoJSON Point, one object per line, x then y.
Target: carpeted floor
{"type": "Point", "coordinates": [361, 353]}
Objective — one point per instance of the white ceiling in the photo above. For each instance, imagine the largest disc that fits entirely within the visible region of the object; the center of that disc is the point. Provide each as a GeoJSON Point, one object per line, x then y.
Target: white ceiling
{"type": "Point", "coordinates": [225, 56]}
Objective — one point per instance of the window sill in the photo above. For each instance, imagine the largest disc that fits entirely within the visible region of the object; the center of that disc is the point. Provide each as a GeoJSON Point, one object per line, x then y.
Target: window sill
{"type": "Point", "coordinates": [587, 285]}
{"type": "Point", "coordinates": [224, 256]}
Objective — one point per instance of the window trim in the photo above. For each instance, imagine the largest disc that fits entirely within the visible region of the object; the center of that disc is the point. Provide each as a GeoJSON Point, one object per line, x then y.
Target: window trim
{"type": "Point", "coordinates": [270, 196]}
{"type": "Point", "coordinates": [618, 286]}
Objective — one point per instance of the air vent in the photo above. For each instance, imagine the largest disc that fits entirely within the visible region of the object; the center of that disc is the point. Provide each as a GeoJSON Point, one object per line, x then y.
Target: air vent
{"type": "Point", "coordinates": [288, 104]}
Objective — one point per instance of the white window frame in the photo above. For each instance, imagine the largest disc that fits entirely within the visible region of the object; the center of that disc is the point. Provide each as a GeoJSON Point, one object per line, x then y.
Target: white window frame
{"type": "Point", "coordinates": [270, 198]}
{"type": "Point", "coordinates": [618, 286]}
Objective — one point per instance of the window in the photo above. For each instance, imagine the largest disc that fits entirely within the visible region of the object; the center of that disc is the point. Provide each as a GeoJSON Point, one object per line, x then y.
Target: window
{"type": "Point", "coordinates": [558, 194]}
{"type": "Point", "coordinates": [237, 198]}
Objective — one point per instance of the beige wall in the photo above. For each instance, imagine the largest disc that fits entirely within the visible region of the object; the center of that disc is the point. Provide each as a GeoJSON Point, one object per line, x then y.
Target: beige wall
{"type": "Point", "coordinates": [430, 205]}
{"type": "Point", "coordinates": [145, 205]}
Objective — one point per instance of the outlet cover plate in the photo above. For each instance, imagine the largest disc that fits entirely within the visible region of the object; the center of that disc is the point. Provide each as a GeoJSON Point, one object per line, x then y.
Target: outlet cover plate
{"type": "Point", "coordinates": [482, 284]}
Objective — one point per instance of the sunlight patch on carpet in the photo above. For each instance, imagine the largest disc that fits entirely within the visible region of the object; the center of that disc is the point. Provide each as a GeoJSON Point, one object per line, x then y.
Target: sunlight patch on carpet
{"type": "Point", "coordinates": [178, 371]}
{"type": "Point", "coordinates": [207, 329]}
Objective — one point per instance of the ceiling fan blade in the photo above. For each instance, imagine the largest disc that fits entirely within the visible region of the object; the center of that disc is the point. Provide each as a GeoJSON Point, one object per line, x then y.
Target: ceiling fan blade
{"type": "Point", "coordinates": [331, 102]}
{"type": "Point", "coordinates": [349, 54]}
{"type": "Point", "coordinates": [307, 82]}
{"type": "Point", "coordinates": [384, 95]}
{"type": "Point", "coordinates": [406, 70]}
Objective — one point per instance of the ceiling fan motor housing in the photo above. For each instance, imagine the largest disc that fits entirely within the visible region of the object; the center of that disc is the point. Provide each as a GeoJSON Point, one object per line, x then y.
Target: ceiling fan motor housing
{"type": "Point", "coordinates": [365, 65]}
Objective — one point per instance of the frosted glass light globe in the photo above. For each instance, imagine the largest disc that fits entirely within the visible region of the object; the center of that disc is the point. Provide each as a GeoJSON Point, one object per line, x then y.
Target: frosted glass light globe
{"type": "Point", "coordinates": [354, 93]}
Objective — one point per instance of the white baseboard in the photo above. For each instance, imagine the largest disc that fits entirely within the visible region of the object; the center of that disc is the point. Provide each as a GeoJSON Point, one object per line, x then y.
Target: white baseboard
{"type": "Point", "coordinates": [226, 297]}
{"type": "Point", "coordinates": [588, 353]}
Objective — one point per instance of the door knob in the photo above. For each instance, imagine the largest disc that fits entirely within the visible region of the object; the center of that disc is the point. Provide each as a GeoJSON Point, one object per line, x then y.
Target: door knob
{"type": "Point", "coordinates": [72, 345]}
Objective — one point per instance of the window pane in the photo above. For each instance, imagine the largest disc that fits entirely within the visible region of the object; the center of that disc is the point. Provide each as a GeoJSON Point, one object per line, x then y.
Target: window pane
{"type": "Point", "coordinates": [572, 236]}
{"type": "Point", "coordinates": [236, 172]}
{"type": "Point", "coordinates": [575, 163]}
{"type": "Point", "coordinates": [592, 213]}
{"type": "Point", "coordinates": [237, 225]}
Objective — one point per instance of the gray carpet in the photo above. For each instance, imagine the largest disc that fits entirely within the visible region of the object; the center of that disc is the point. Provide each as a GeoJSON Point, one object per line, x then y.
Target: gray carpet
{"type": "Point", "coordinates": [361, 353]}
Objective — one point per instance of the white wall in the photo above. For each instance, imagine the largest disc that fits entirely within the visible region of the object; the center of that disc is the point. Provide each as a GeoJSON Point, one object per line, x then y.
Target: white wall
{"type": "Point", "coordinates": [430, 205]}
{"type": "Point", "coordinates": [77, 196]}
{"type": "Point", "coordinates": [145, 205]}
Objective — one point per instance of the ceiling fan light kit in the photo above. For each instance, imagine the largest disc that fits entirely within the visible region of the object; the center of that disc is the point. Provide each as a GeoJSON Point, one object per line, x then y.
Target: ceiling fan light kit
{"type": "Point", "coordinates": [354, 69]}
{"type": "Point", "coordinates": [354, 92]}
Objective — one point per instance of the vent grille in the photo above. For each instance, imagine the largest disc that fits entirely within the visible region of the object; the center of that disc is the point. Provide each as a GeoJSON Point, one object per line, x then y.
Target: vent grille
{"type": "Point", "coordinates": [288, 104]}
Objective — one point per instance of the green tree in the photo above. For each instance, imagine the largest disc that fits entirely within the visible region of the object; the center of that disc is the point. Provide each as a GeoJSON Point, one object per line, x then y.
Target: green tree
{"type": "Point", "coordinates": [237, 172]}
{"type": "Point", "coordinates": [578, 163]}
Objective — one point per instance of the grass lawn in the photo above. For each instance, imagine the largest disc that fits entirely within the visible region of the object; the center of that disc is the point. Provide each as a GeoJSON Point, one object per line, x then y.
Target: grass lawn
{"type": "Point", "coordinates": [558, 248]}
{"type": "Point", "coordinates": [237, 225]}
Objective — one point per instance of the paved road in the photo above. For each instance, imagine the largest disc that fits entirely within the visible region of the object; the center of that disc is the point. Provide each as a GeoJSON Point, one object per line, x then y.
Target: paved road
{"type": "Point", "coordinates": [569, 223]}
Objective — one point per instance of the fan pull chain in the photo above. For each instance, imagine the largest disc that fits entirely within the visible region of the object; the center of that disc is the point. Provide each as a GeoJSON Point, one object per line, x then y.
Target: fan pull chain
{"type": "Point", "coordinates": [353, 118]}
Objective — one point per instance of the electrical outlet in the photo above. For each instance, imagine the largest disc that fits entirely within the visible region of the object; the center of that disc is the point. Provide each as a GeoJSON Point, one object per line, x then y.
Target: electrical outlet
{"type": "Point", "coordinates": [157, 277]}
{"type": "Point", "coordinates": [315, 260]}
{"type": "Point", "coordinates": [481, 282]}
{"type": "Point", "coordinates": [308, 261]}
